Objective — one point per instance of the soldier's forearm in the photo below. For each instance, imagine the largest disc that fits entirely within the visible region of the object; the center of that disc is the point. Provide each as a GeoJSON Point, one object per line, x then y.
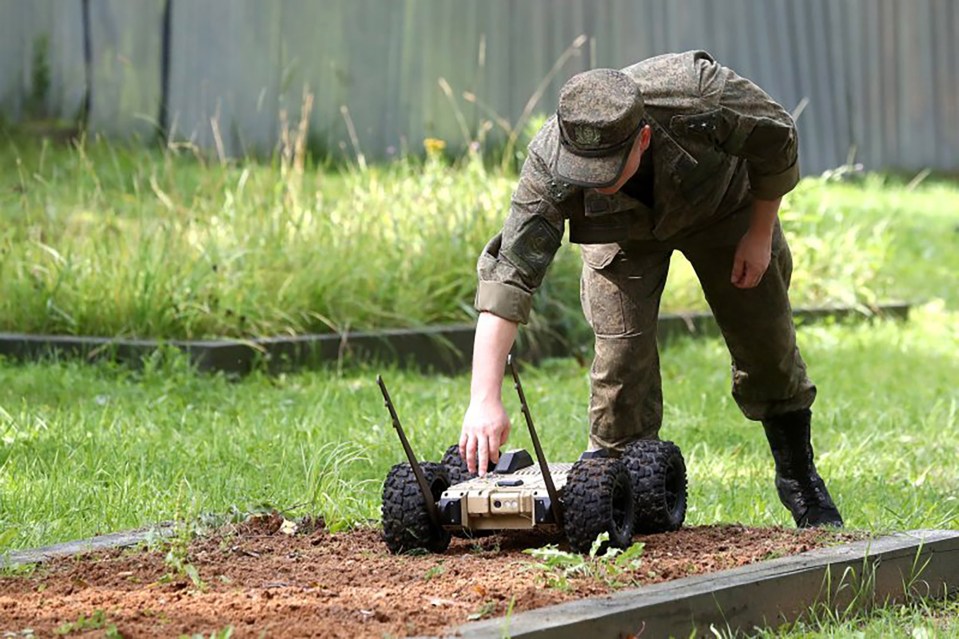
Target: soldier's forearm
{"type": "Point", "coordinates": [493, 341]}
{"type": "Point", "coordinates": [764, 215]}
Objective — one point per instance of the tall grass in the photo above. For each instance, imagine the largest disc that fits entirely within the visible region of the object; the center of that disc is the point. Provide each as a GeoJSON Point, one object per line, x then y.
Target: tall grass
{"type": "Point", "coordinates": [125, 242]}
{"type": "Point", "coordinates": [104, 239]}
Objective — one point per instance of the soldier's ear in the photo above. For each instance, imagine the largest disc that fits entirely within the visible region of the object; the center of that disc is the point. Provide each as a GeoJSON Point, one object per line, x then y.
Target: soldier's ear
{"type": "Point", "coordinates": [645, 137]}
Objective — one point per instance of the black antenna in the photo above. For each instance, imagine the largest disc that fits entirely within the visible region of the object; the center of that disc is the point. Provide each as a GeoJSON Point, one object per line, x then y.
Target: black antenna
{"type": "Point", "coordinates": [540, 457]}
{"type": "Point", "coordinates": [417, 471]}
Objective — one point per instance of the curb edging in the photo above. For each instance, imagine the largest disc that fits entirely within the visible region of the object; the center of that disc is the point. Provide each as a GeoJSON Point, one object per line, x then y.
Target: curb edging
{"type": "Point", "coordinates": [760, 595]}
{"type": "Point", "coordinates": [109, 541]}
{"type": "Point", "coordinates": [442, 349]}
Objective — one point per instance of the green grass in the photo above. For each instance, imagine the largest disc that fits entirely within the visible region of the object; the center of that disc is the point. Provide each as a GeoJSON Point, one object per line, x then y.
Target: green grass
{"type": "Point", "coordinates": [112, 241]}
{"type": "Point", "coordinates": [915, 619]}
{"type": "Point", "coordinates": [916, 616]}
{"type": "Point", "coordinates": [102, 239]}
{"type": "Point", "coordinates": [91, 449]}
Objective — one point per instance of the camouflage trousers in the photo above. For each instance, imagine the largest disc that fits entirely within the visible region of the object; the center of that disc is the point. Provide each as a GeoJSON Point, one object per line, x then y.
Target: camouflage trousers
{"type": "Point", "coordinates": [621, 293]}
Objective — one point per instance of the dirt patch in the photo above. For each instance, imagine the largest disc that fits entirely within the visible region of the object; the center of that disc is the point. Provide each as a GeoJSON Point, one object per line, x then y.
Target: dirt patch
{"type": "Point", "coordinates": [261, 581]}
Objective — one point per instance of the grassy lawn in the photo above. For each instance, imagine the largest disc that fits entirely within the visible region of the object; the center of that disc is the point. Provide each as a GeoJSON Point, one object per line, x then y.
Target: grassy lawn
{"type": "Point", "coordinates": [101, 239]}
{"type": "Point", "coordinates": [110, 241]}
{"type": "Point", "coordinates": [91, 449]}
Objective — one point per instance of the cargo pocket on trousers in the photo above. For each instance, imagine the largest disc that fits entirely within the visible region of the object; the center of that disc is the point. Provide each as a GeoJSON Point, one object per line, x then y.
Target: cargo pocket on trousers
{"type": "Point", "coordinates": [620, 292]}
{"type": "Point", "coordinates": [599, 292]}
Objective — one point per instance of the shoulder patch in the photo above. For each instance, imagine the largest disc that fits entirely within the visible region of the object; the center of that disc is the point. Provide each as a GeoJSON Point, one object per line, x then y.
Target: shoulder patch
{"type": "Point", "coordinates": [702, 124]}
{"type": "Point", "coordinates": [533, 248]}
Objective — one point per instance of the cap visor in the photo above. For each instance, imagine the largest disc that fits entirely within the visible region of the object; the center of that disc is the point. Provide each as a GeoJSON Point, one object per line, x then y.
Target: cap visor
{"type": "Point", "coordinates": [596, 172]}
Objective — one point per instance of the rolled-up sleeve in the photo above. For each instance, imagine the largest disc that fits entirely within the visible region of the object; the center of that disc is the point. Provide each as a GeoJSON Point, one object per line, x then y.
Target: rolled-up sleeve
{"type": "Point", "coordinates": [756, 128]}
{"type": "Point", "coordinates": [513, 263]}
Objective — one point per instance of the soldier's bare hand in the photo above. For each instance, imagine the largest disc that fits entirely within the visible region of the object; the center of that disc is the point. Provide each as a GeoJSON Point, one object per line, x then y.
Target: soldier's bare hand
{"type": "Point", "coordinates": [485, 429]}
{"type": "Point", "coordinates": [751, 259]}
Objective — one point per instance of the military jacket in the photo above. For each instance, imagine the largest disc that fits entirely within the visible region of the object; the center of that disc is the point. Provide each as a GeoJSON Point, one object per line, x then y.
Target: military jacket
{"type": "Point", "coordinates": [718, 141]}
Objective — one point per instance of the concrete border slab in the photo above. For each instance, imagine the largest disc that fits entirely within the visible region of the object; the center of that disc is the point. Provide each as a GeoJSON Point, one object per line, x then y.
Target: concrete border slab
{"type": "Point", "coordinates": [442, 349]}
{"type": "Point", "coordinates": [766, 594]}
{"type": "Point", "coordinates": [71, 548]}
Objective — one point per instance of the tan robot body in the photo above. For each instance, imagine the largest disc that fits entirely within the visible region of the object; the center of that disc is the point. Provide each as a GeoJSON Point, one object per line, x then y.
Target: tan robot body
{"type": "Point", "coordinates": [507, 501]}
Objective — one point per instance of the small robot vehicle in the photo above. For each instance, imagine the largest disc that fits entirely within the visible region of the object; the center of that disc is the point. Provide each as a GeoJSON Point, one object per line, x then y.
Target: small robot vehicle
{"type": "Point", "coordinates": [642, 491]}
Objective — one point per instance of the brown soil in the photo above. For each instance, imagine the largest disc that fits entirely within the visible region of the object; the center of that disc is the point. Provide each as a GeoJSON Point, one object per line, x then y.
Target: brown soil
{"type": "Point", "coordinates": [263, 582]}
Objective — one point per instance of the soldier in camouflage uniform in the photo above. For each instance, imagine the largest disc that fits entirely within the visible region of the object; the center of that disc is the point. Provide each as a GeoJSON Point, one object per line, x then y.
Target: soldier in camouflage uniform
{"type": "Point", "coordinates": [674, 153]}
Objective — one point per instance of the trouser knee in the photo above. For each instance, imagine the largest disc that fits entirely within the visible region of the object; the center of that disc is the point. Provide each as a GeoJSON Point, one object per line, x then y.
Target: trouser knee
{"type": "Point", "coordinates": [626, 400]}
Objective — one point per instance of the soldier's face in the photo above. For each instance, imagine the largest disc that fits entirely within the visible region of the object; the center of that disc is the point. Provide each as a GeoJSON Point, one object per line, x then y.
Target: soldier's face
{"type": "Point", "coordinates": [632, 163]}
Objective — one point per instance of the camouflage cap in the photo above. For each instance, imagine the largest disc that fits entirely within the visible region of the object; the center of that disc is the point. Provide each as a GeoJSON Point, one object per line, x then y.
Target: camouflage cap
{"type": "Point", "coordinates": [600, 111]}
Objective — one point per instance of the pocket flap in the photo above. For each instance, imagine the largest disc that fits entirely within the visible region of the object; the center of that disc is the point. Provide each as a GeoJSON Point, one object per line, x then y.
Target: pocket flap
{"type": "Point", "coordinates": [597, 204]}
{"type": "Point", "coordinates": [599, 256]}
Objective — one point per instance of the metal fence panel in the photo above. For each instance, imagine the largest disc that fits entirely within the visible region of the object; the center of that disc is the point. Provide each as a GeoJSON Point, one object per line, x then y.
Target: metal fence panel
{"type": "Point", "coordinates": [225, 74]}
{"type": "Point", "coordinates": [126, 46]}
{"type": "Point", "coordinates": [877, 79]}
{"type": "Point", "coordinates": [25, 29]}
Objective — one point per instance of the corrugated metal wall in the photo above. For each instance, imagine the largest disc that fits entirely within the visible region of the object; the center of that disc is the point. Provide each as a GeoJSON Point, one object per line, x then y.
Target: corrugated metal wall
{"type": "Point", "coordinates": [26, 26]}
{"type": "Point", "coordinates": [877, 78]}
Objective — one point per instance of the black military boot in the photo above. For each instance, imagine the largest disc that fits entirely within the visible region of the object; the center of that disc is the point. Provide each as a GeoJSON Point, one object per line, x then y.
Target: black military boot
{"type": "Point", "coordinates": [800, 487]}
